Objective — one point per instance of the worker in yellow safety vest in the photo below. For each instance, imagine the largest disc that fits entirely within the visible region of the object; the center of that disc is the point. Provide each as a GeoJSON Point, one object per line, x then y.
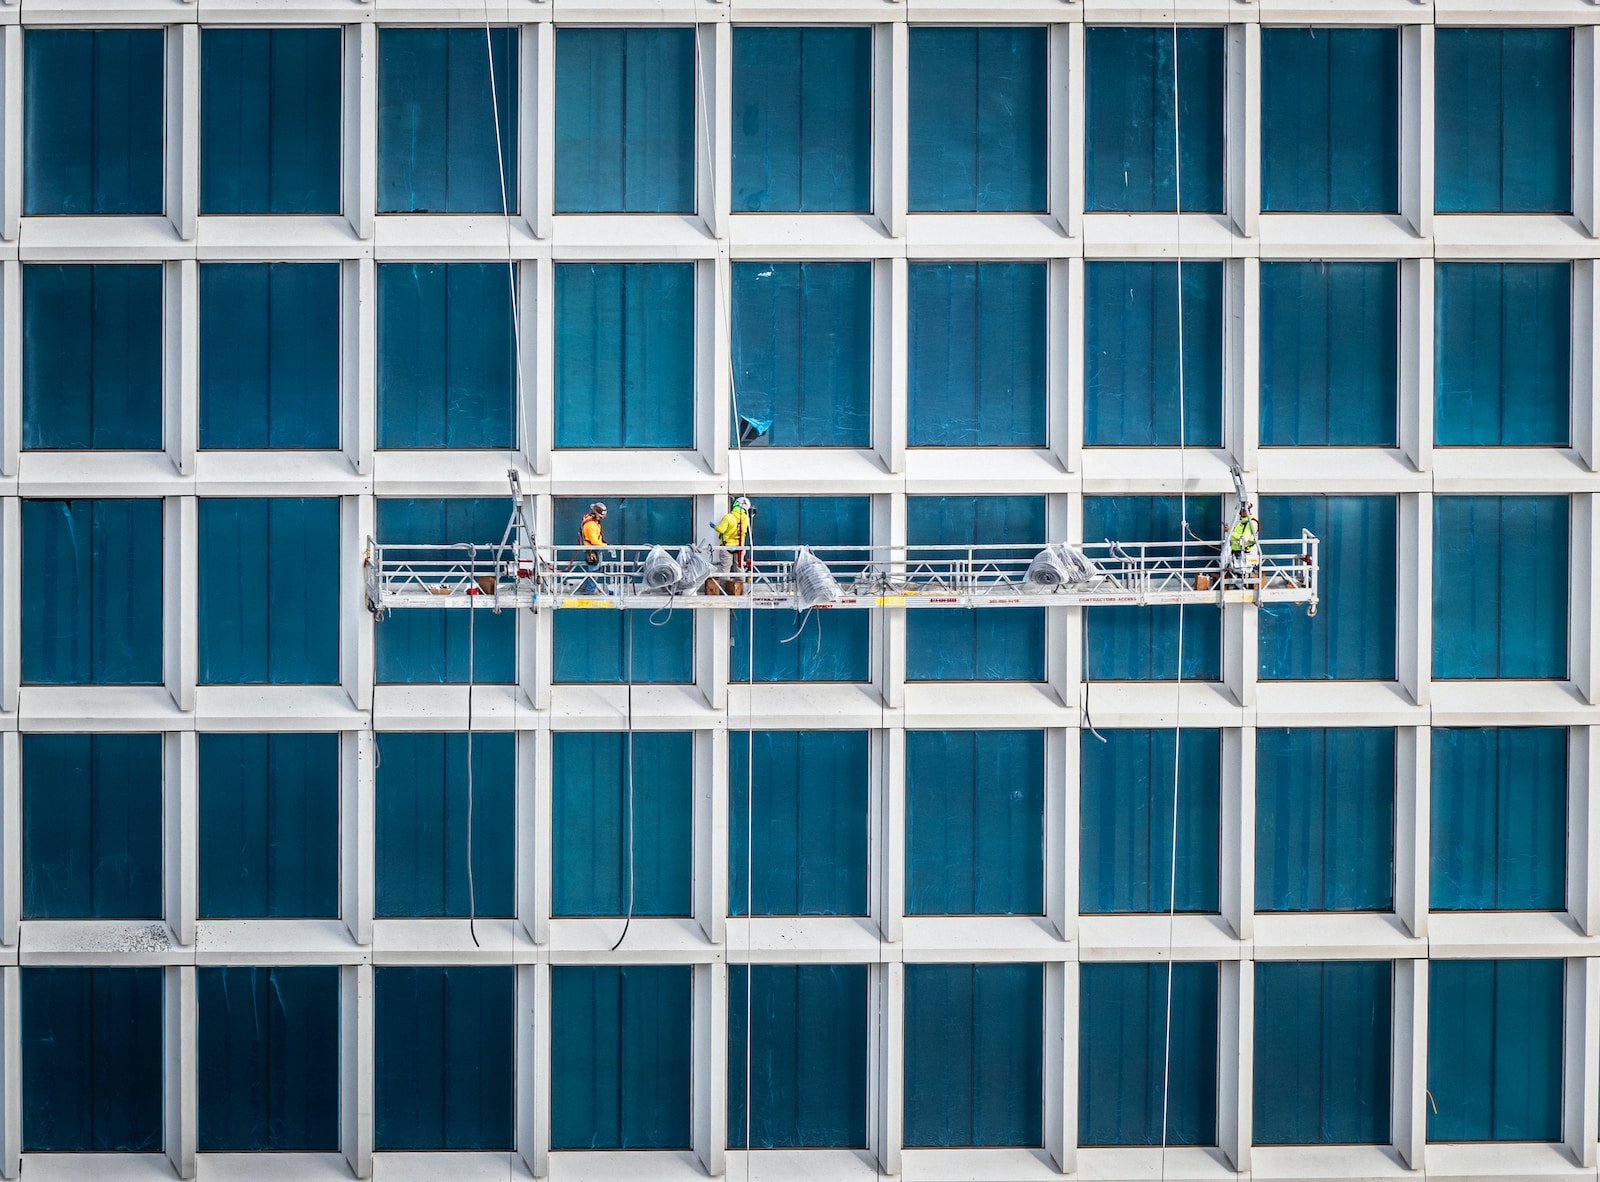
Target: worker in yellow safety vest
{"type": "Point", "coordinates": [593, 539]}
{"type": "Point", "coordinates": [733, 542]}
{"type": "Point", "coordinates": [1242, 539]}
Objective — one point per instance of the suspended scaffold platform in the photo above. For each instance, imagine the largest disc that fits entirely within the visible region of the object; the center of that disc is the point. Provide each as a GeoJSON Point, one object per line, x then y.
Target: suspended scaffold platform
{"type": "Point", "coordinates": [1097, 574]}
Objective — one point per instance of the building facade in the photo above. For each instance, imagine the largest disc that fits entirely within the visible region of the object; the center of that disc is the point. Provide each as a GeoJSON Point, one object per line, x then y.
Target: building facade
{"type": "Point", "coordinates": [1005, 894]}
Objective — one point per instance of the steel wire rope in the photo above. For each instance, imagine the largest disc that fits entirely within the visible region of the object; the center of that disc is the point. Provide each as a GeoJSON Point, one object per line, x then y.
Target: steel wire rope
{"type": "Point", "coordinates": [1183, 518]}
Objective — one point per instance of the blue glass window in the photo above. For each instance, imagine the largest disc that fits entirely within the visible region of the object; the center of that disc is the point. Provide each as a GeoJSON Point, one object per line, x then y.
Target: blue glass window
{"type": "Point", "coordinates": [1502, 354]}
{"type": "Point", "coordinates": [802, 119]}
{"type": "Point", "coordinates": [802, 354]}
{"type": "Point", "coordinates": [91, 826]}
{"type": "Point", "coordinates": [797, 822]}
{"type": "Point", "coordinates": [1324, 819]}
{"type": "Point", "coordinates": [1330, 120]}
{"type": "Point", "coordinates": [1494, 1050]}
{"type": "Point", "coordinates": [1329, 354]}
{"type": "Point", "coordinates": [959, 644]}
{"type": "Point", "coordinates": [624, 354]}
{"type": "Point", "coordinates": [1141, 644]}
{"type": "Point", "coordinates": [269, 355]}
{"type": "Point", "coordinates": [91, 356]}
{"type": "Point", "coordinates": [978, 119]}
{"type": "Point", "coordinates": [94, 106]}
{"type": "Point", "coordinates": [1503, 120]}
{"type": "Point", "coordinates": [270, 120]}
{"type": "Point", "coordinates": [1125, 810]}
{"type": "Point", "coordinates": [624, 805]}
{"type": "Point", "coordinates": [977, 354]}
{"type": "Point", "coordinates": [422, 836]}
{"type": "Point", "coordinates": [264, 618]}
{"type": "Point", "coordinates": [1499, 587]}
{"type": "Point", "coordinates": [1323, 1036]}
{"type": "Point", "coordinates": [1352, 634]}
{"type": "Point", "coordinates": [625, 122]}
{"type": "Point", "coordinates": [974, 1043]}
{"type": "Point", "coordinates": [443, 138]}
{"type": "Point", "coordinates": [447, 364]}
{"type": "Point", "coordinates": [1131, 354]}
{"type": "Point", "coordinates": [788, 646]}
{"type": "Point", "coordinates": [431, 645]}
{"type": "Point", "coordinates": [620, 646]}
{"type": "Point", "coordinates": [91, 592]}
{"type": "Point", "coordinates": [444, 1057]}
{"type": "Point", "coordinates": [804, 1092]}
{"type": "Point", "coordinates": [269, 825]}
{"type": "Point", "coordinates": [974, 822]}
{"type": "Point", "coordinates": [1131, 1074]}
{"type": "Point", "coordinates": [620, 1045]}
{"type": "Point", "coordinates": [1128, 158]}
{"type": "Point", "coordinates": [1499, 831]}
{"type": "Point", "coordinates": [268, 1044]}
{"type": "Point", "coordinates": [91, 1060]}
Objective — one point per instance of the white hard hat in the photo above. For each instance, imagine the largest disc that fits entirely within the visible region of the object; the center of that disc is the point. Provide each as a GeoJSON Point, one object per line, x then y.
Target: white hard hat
{"type": "Point", "coordinates": [598, 507]}
{"type": "Point", "coordinates": [743, 503]}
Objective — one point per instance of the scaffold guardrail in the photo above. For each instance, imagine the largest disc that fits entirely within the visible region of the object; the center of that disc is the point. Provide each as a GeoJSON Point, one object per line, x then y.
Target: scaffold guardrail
{"type": "Point", "coordinates": [1133, 574]}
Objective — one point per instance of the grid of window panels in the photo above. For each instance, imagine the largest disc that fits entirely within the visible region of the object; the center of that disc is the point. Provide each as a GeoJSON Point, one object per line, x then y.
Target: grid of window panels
{"type": "Point", "coordinates": [937, 894]}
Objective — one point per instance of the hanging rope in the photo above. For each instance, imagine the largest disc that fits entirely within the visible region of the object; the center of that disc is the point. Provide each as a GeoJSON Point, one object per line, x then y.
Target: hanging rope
{"type": "Point", "coordinates": [1183, 515]}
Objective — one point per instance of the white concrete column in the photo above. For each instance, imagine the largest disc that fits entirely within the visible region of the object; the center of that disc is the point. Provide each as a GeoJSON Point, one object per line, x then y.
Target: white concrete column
{"type": "Point", "coordinates": [11, 133]}
{"type": "Point", "coordinates": [1242, 61]}
{"type": "Point", "coordinates": [360, 155]}
{"type": "Point", "coordinates": [1061, 1065]}
{"type": "Point", "coordinates": [887, 627]}
{"type": "Point", "coordinates": [1585, 107]}
{"type": "Point", "coordinates": [10, 365]}
{"type": "Point", "coordinates": [1416, 128]}
{"type": "Point", "coordinates": [180, 381]}
{"type": "Point", "coordinates": [523, 188]}
{"type": "Point", "coordinates": [357, 828]}
{"type": "Point", "coordinates": [1067, 100]}
{"type": "Point", "coordinates": [1065, 410]}
{"type": "Point", "coordinates": [1583, 633]}
{"type": "Point", "coordinates": [356, 1067]}
{"type": "Point", "coordinates": [10, 838]}
{"type": "Point", "coordinates": [1242, 361]}
{"type": "Point", "coordinates": [1408, 1087]}
{"type": "Point", "coordinates": [886, 840]}
{"type": "Point", "coordinates": [1583, 831]}
{"type": "Point", "coordinates": [891, 71]}
{"type": "Point", "coordinates": [1237, 818]}
{"type": "Point", "coordinates": [710, 1066]}
{"type": "Point", "coordinates": [1413, 762]}
{"type": "Point", "coordinates": [714, 145]}
{"type": "Point", "coordinates": [714, 394]}
{"type": "Point", "coordinates": [358, 365]}
{"type": "Point", "coordinates": [181, 834]}
{"type": "Point", "coordinates": [711, 818]}
{"type": "Point", "coordinates": [10, 603]}
{"type": "Point", "coordinates": [1236, 1011]}
{"type": "Point", "coordinates": [1061, 831]}
{"type": "Point", "coordinates": [1585, 358]}
{"type": "Point", "coordinates": [356, 525]}
{"type": "Point", "coordinates": [180, 1068]}
{"type": "Point", "coordinates": [1414, 619]}
{"type": "Point", "coordinates": [541, 852]}
{"type": "Point", "coordinates": [533, 434]}
{"type": "Point", "coordinates": [1415, 391]}
{"type": "Point", "coordinates": [183, 129]}
{"type": "Point", "coordinates": [889, 363]}
{"type": "Point", "coordinates": [886, 1064]}
{"type": "Point", "coordinates": [1580, 1064]}
{"type": "Point", "coordinates": [533, 1068]}
{"type": "Point", "coordinates": [11, 1050]}
{"type": "Point", "coordinates": [539, 132]}
{"type": "Point", "coordinates": [180, 614]}
{"type": "Point", "coordinates": [1241, 624]}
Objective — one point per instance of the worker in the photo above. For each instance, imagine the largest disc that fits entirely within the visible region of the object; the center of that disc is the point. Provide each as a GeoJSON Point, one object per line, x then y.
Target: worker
{"type": "Point", "coordinates": [1242, 537]}
{"type": "Point", "coordinates": [593, 539]}
{"type": "Point", "coordinates": [733, 542]}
